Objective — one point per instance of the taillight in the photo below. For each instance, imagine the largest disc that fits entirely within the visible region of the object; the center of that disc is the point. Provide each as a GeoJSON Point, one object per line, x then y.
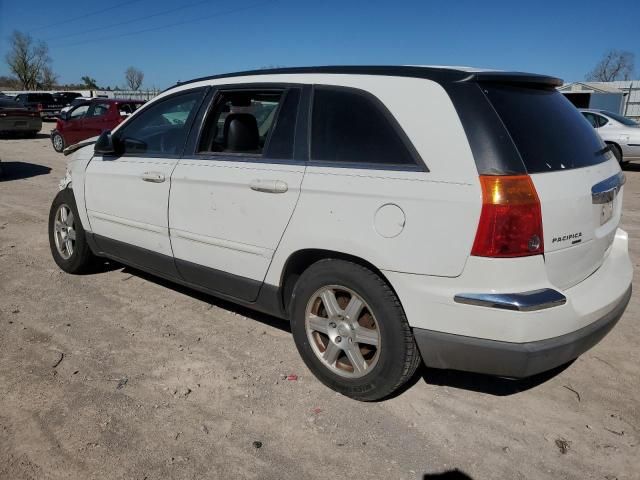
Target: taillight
{"type": "Point", "coordinates": [40, 108]}
{"type": "Point", "coordinates": [511, 219]}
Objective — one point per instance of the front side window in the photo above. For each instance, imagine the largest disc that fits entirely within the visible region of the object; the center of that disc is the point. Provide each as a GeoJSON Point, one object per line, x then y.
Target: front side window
{"type": "Point", "coordinates": [79, 112]}
{"type": "Point", "coordinates": [240, 122]}
{"type": "Point", "coordinates": [162, 127]}
{"type": "Point", "coordinates": [351, 127]}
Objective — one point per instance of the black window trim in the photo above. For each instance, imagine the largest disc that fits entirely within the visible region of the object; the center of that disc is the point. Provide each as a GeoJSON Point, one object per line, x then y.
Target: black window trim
{"type": "Point", "coordinates": [203, 89]}
{"type": "Point", "coordinates": [418, 166]}
{"type": "Point", "coordinates": [209, 103]}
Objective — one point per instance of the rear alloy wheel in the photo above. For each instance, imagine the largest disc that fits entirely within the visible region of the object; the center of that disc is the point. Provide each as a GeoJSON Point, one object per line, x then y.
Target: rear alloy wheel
{"type": "Point", "coordinates": [58, 142]}
{"type": "Point", "coordinates": [351, 330]}
{"type": "Point", "coordinates": [342, 331]}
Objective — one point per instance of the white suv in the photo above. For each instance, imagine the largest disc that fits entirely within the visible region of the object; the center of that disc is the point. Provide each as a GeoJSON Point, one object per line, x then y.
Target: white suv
{"type": "Point", "coordinates": [468, 219]}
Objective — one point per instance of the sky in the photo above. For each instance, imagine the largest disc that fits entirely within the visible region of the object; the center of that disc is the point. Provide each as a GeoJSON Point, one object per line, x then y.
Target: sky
{"type": "Point", "coordinates": [174, 41]}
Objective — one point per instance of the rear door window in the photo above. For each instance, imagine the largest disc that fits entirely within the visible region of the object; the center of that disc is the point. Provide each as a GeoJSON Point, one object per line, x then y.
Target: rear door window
{"type": "Point", "coordinates": [548, 131]}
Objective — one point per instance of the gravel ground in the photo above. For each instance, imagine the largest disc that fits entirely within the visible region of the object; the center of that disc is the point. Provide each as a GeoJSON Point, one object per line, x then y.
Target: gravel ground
{"type": "Point", "coordinates": [121, 375]}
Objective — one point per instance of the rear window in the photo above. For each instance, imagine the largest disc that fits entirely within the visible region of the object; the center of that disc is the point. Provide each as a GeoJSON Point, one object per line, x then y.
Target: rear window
{"type": "Point", "coordinates": [546, 128]}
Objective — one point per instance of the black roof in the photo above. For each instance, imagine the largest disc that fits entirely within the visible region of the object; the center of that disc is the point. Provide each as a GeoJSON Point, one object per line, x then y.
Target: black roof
{"type": "Point", "coordinates": [437, 74]}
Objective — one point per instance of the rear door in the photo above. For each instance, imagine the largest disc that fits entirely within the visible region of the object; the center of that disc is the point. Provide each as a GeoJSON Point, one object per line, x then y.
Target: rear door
{"type": "Point", "coordinates": [97, 120]}
{"type": "Point", "coordinates": [232, 197]}
{"type": "Point", "coordinates": [577, 178]}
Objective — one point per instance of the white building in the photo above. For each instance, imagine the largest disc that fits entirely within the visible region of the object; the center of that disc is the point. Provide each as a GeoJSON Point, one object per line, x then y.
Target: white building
{"type": "Point", "coordinates": [620, 97]}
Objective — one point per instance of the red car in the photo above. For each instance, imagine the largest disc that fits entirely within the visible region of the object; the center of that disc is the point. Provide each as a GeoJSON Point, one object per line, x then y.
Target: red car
{"type": "Point", "coordinates": [90, 119]}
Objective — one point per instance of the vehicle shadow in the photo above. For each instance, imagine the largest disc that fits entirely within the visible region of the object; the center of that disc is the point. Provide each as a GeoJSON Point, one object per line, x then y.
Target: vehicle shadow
{"type": "Point", "coordinates": [210, 299]}
{"type": "Point", "coordinates": [489, 384]}
{"type": "Point", "coordinates": [631, 167]}
{"type": "Point", "coordinates": [20, 170]}
{"type": "Point", "coordinates": [448, 475]}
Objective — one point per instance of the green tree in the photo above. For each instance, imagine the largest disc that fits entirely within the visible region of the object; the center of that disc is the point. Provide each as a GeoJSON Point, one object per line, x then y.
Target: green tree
{"type": "Point", "coordinates": [89, 83]}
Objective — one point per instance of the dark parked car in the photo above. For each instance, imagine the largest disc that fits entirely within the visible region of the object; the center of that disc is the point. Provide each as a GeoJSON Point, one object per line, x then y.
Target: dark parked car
{"type": "Point", "coordinates": [44, 103]}
{"type": "Point", "coordinates": [65, 98]}
{"type": "Point", "coordinates": [89, 119]}
{"type": "Point", "coordinates": [15, 118]}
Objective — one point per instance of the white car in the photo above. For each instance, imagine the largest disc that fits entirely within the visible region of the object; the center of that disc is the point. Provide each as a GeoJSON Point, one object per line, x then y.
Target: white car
{"type": "Point", "coordinates": [391, 214]}
{"type": "Point", "coordinates": [621, 133]}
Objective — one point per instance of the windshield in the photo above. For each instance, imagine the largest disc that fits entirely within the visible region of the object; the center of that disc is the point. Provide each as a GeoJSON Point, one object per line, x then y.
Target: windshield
{"type": "Point", "coordinates": [621, 119]}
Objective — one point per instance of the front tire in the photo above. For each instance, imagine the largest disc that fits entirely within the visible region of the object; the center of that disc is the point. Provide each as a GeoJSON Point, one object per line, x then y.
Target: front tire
{"type": "Point", "coordinates": [351, 330]}
{"type": "Point", "coordinates": [58, 142]}
{"type": "Point", "coordinates": [67, 238]}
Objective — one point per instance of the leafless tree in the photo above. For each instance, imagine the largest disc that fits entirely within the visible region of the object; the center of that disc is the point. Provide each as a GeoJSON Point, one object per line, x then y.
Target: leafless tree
{"type": "Point", "coordinates": [615, 65]}
{"type": "Point", "coordinates": [134, 78]}
{"type": "Point", "coordinates": [27, 59]}
{"type": "Point", "coordinates": [48, 78]}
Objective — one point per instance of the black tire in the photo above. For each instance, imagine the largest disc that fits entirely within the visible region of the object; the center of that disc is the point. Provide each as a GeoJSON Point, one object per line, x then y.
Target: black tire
{"type": "Point", "coordinates": [58, 143]}
{"type": "Point", "coordinates": [81, 260]}
{"type": "Point", "coordinates": [615, 149]}
{"type": "Point", "coordinates": [398, 358]}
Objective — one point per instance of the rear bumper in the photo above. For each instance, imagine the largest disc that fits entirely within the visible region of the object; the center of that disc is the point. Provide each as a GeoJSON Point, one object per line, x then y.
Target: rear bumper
{"type": "Point", "coordinates": [516, 360]}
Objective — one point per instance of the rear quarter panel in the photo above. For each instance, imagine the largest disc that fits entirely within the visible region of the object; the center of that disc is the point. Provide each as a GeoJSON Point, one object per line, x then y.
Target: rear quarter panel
{"type": "Point", "coordinates": [339, 208]}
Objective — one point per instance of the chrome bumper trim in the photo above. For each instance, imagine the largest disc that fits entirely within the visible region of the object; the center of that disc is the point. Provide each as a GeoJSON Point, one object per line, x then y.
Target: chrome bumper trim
{"type": "Point", "coordinates": [521, 302]}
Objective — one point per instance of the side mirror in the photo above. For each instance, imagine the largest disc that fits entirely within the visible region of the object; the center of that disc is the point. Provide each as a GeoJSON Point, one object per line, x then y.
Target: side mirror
{"type": "Point", "coordinates": [105, 144]}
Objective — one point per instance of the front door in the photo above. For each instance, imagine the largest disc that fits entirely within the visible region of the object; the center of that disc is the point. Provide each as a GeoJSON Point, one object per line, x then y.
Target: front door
{"type": "Point", "coordinates": [127, 194]}
{"type": "Point", "coordinates": [73, 128]}
{"type": "Point", "coordinates": [232, 197]}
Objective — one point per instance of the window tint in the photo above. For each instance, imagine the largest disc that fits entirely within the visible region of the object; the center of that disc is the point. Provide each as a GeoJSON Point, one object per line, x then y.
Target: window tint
{"type": "Point", "coordinates": [240, 122]}
{"type": "Point", "coordinates": [591, 118]}
{"type": "Point", "coordinates": [350, 127]}
{"type": "Point", "coordinates": [282, 139]}
{"type": "Point", "coordinates": [98, 109]}
{"type": "Point", "coordinates": [41, 97]}
{"type": "Point", "coordinates": [162, 127]}
{"type": "Point", "coordinates": [546, 128]}
{"type": "Point", "coordinates": [79, 112]}
{"type": "Point", "coordinates": [602, 121]}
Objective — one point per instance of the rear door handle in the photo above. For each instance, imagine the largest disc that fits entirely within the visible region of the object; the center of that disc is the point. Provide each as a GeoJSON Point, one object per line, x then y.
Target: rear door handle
{"type": "Point", "coordinates": [269, 186]}
{"type": "Point", "coordinates": [153, 177]}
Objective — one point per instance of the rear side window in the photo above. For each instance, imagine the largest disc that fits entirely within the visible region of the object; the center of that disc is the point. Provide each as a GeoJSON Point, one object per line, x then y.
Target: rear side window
{"type": "Point", "coordinates": [352, 127]}
{"type": "Point", "coordinates": [546, 128]}
{"type": "Point", "coordinates": [41, 97]}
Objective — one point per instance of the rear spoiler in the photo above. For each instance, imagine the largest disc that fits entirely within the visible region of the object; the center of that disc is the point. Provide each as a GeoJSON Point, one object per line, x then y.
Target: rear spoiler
{"type": "Point", "coordinates": [514, 77]}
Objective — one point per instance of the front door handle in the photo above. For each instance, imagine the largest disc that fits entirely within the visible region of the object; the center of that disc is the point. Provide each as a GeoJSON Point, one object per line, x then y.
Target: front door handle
{"type": "Point", "coordinates": [269, 186]}
{"type": "Point", "coordinates": [153, 177]}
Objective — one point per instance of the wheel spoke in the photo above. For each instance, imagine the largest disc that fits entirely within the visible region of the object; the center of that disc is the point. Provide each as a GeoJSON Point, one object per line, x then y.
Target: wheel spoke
{"type": "Point", "coordinates": [317, 324]}
{"type": "Point", "coordinates": [72, 234]}
{"type": "Point", "coordinates": [69, 246]}
{"type": "Point", "coordinates": [367, 336]}
{"type": "Point", "coordinates": [358, 362]}
{"type": "Point", "coordinates": [70, 219]}
{"type": "Point", "coordinates": [353, 310]}
{"type": "Point", "coordinates": [330, 303]}
{"type": "Point", "coordinates": [330, 355]}
{"type": "Point", "coordinates": [63, 214]}
{"type": "Point", "coordinates": [58, 226]}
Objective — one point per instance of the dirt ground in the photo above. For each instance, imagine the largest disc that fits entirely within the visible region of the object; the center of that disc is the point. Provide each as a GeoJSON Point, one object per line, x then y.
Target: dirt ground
{"type": "Point", "coordinates": [118, 375]}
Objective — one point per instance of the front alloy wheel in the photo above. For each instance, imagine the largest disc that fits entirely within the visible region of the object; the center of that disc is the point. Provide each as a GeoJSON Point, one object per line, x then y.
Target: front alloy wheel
{"type": "Point", "coordinates": [64, 231]}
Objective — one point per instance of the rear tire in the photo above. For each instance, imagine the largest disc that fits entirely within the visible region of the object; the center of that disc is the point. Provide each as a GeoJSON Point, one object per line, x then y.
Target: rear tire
{"type": "Point", "coordinates": [67, 238]}
{"type": "Point", "coordinates": [351, 330]}
{"type": "Point", "coordinates": [58, 142]}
